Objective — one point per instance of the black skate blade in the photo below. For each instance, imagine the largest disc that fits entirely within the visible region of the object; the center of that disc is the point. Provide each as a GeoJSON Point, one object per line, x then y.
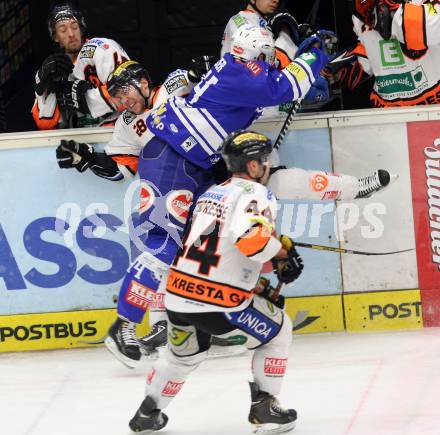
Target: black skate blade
{"type": "Point", "coordinates": [272, 428]}
{"type": "Point", "coordinates": [113, 349]}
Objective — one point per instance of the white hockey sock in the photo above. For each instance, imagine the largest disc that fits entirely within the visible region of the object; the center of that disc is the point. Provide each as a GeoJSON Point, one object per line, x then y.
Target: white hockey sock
{"type": "Point", "coordinates": [269, 362]}
{"type": "Point", "coordinates": [168, 375]}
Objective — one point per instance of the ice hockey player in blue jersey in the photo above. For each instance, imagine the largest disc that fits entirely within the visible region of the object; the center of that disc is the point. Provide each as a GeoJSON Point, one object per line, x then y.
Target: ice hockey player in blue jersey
{"type": "Point", "coordinates": [175, 166]}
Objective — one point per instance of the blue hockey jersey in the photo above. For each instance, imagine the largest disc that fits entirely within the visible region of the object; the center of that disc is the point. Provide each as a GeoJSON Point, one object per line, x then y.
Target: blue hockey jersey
{"type": "Point", "coordinates": [229, 97]}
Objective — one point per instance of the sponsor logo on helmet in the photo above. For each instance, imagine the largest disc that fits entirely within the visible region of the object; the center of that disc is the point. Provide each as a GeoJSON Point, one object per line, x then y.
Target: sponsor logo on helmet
{"type": "Point", "coordinates": [179, 203]}
{"type": "Point", "coordinates": [117, 72]}
{"type": "Point", "coordinates": [147, 197]}
{"type": "Point", "coordinates": [249, 136]}
{"type": "Point", "coordinates": [236, 49]}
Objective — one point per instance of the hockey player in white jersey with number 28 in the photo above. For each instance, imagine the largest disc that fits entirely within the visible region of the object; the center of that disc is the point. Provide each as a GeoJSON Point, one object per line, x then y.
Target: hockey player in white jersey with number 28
{"type": "Point", "coordinates": [211, 290]}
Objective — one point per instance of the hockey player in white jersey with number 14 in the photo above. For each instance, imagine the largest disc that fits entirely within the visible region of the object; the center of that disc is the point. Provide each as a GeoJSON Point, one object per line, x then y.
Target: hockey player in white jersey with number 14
{"type": "Point", "coordinates": [211, 290]}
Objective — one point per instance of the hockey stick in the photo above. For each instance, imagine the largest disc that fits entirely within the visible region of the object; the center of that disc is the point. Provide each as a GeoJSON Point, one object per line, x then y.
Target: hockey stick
{"type": "Point", "coordinates": [292, 112]}
{"type": "Point", "coordinates": [346, 251]}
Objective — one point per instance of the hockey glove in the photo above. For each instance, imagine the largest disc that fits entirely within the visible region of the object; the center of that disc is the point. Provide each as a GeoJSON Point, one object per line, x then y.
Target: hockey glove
{"type": "Point", "coordinates": [290, 268]}
{"type": "Point", "coordinates": [319, 92]}
{"type": "Point", "coordinates": [55, 68]}
{"type": "Point", "coordinates": [199, 66]}
{"type": "Point", "coordinates": [325, 40]}
{"type": "Point", "coordinates": [285, 21]}
{"type": "Point", "coordinates": [267, 291]}
{"type": "Point", "coordinates": [71, 96]}
{"type": "Point", "coordinates": [364, 9]}
{"type": "Point", "coordinates": [71, 154]}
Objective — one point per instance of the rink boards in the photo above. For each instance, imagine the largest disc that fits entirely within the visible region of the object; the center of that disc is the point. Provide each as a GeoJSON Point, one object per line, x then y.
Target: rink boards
{"type": "Point", "coordinates": [64, 244]}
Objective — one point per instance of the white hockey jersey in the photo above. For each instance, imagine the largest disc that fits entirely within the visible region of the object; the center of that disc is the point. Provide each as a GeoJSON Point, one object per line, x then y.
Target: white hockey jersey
{"type": "Point", "coordinates": [405, 67]}
{"type": "Point", "coordinates": [96, 60]}
{"type": "Point", "coordinates": [229, 239]}
{"type": "Point", "coordinates": [131, 132]}
{"type": "Point", "coordinates": [285, 47]}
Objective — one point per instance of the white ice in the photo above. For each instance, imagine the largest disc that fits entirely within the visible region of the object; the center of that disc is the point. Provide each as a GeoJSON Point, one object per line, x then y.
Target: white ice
{"type": "Point", "coordinates": [359, 384]}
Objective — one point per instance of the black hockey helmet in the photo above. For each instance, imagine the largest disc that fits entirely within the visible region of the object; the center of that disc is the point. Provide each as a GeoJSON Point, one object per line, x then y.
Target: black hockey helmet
{"type": "Point", "coordinates": [65, 11]}
{"type": "Point", "coordinates": [242, 146]}
{"type": "Point", "coordinates": [129, 73]}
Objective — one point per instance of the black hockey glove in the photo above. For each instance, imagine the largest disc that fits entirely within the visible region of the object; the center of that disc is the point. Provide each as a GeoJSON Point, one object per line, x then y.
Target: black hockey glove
{"type": "Point", "coordinates": [71, 154]}
{"type": "Point", "coordinates": [71, 96]}
{"type": "Point", "coordinates": [267, 291]}
{"type": "Point", "coordinates": [290, 268]}
{"type": "Point", "coordinates": [199, 66]}
{"type": "Point", "coordinates": [55, 68]}
{"type": "Point", "coordinates": [285, 21]}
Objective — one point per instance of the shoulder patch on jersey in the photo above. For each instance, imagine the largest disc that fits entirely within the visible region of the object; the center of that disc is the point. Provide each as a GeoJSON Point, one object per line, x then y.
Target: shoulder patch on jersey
{"type": "Point", "coordinates": [254, 68]}
{"type": "Point", "coordinates": [128, 117]}
{"type": "Point", "coordinates": [175, 82]}
{"type": "Point", "coordinates": [239, 20]}
{"type": "Point", "coordinates": [87, 51]}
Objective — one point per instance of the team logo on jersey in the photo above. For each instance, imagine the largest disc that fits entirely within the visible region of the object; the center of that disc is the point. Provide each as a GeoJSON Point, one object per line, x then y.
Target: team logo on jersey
{"type": "Point", "coordinates": [254, 68]}
{"type": "Point", "coordinates": [128, 117]}
{"type": "Point", "coordinates": [178, 204]}
{"type": "Point", "coordinates": [147, 197]}
{"type": "Point", "coordinates": [318, 182]}
{"type": "Point", "coordinates": [275, 366]}
{"type": "Point", "coordinates": [87, 51]}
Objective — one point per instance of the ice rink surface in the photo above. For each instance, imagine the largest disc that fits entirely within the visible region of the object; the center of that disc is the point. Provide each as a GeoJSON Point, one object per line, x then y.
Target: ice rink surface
{"type": "Point", "coordinates": [359, 384]}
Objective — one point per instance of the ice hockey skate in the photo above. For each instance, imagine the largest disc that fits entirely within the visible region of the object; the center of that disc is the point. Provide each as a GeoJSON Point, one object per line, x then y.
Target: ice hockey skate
{"type": "Point", "coordinates": [122, 343]}
{"type": "Point", "coordinates": [154, 340]}
{"type": "Point", "coordinates": [147, 418]}
{"type": "Point", "coordinates": [374, 183]}
{"type": "Point", "coordinates": [266, 416]}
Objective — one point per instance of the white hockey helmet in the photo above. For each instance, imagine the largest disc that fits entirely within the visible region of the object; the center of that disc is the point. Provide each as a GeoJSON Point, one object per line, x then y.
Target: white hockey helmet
{"type": "Point", "coordinates": [249, 43]}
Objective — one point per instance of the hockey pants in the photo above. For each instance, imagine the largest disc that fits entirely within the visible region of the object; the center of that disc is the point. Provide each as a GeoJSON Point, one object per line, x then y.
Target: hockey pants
{"type": "Point", "coordinates": [263, 327]}
{"type": "Point", "coordinates": [170, 185]}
